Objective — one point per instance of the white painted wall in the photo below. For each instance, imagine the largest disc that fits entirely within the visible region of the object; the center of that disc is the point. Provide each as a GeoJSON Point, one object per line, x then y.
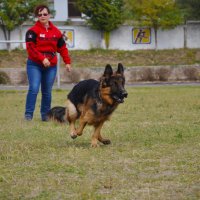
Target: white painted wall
{"type": "Point", "coordinates": [84, 37]}
{"type": "Point", "coordinates": [2, 46]}
{"type": "Point", "coordinates": [121, 38]}
{"type": "Point", "coordinates": [171, 39]}
{"type": "Point", "coordinates": [61, 8]}
{"type": "Point", "coordinates": [193, 35]}
{"type": "Point", "coordinates": [167, 39]}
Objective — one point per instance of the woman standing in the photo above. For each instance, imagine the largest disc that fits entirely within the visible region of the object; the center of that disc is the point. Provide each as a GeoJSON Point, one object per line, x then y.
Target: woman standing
{"type": "Point", "coordinates": [43, 41]}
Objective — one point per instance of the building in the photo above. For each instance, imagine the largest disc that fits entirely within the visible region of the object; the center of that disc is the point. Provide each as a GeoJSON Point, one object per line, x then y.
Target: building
{"type": "Point", "coordinates": [80, 36]}
{"type": "Point", "coordinates": [65, 10]}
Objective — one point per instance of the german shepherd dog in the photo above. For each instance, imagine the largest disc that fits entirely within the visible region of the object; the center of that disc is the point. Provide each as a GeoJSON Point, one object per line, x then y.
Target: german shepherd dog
{"type": "Point", "coordinates": [92, 102]}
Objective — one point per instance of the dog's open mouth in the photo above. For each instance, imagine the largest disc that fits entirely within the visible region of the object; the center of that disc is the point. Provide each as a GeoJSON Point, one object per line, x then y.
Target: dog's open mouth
{"type": "Point", "coordinates": [118, 99]}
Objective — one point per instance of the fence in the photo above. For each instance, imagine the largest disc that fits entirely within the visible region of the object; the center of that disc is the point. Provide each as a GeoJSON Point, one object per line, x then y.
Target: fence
{"type": "Point", "coordinates": [23, 42]}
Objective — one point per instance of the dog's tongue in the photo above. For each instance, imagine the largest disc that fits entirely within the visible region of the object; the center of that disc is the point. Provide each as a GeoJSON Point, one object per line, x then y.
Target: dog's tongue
{"type": "Point", "coordinates": [118, 99]}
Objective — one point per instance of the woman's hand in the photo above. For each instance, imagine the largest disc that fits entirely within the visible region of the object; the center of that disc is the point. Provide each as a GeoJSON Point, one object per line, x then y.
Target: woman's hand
{"type": "Point", "coordinates": [68, 67]}
{"type": "Point", "coordinates": [46, 62]}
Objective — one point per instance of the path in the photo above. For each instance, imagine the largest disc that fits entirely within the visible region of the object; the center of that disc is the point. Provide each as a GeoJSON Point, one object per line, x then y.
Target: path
{"type": "Point", "coordinates": [138, 84]}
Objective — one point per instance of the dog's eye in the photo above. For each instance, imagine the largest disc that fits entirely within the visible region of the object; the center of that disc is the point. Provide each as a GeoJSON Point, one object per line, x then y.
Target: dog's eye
{"type": "Point", "coordinates": [114, 83]}
{"type": "Point", "coordinates": [121, 82]}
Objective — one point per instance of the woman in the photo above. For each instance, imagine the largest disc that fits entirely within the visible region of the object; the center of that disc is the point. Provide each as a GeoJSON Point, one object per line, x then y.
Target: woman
{"type": "Point", "coordinates": [43, 40]}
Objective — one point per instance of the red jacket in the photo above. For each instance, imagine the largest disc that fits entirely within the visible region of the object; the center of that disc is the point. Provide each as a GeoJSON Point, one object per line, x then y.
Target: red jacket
{"type": "Point", "coordinates": [44, 42]}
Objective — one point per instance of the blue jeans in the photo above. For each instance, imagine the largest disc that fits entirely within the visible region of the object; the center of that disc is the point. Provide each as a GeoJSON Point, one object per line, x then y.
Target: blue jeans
{"type": "Point", "coordinates": [37, 75]}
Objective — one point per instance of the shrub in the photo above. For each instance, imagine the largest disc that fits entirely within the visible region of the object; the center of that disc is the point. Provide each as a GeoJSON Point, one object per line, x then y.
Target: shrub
{"type": "Point", "coordinates": [74, 76]}
{"type": "Point", "coordinates": [163, 73]}
{"type": "Point", "coordinates": [86, 74]}
{"type": "Point", "coordinates": [147, 74]}
{"type": "Point", "coordinates": [4, 78]}
{"type": "Point", "coordinates": [23, 77]}
{"type": "Point", "coordinates": [133, 76]}
{"type": "Point", "coordinates": [191, 73]}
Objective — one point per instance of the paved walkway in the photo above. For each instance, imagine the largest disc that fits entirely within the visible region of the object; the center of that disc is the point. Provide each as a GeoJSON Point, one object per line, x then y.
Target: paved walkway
{"type": "Point", "coordinates": [70, 86]}
{"type": "Point", "coordinates": [25, 87]}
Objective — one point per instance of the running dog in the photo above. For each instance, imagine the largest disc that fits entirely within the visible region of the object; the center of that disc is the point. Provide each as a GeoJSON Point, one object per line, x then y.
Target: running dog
{"type": "Point", "coordinates": [92, 102]}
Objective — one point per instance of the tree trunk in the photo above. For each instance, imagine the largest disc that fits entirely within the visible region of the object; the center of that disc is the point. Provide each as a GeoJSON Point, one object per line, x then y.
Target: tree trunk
{"type": "Point", "coordinates": [185, 35]}
{"type": "Point", "coordinates": [102, 40]}
{"type": "Point", "coordinates": [4, 32]}
{"type": "Point", "coordinates": [9, 44]}
{"type": "Point", "coordinates": [20, 35]}
{"type": "Point", "coordinates": [156, 38]}
{"type": "Point", "coordinates": [105, 40]}
{"type": "Point", "coordinates": [6, 36]}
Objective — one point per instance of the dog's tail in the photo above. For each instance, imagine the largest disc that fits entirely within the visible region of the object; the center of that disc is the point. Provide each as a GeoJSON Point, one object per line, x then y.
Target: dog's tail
{"type": "Point", "coordinates": [58, 113]}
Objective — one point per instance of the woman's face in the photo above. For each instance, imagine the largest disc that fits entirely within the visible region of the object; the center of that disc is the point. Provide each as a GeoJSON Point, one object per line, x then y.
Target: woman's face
{"type": "Point", "coordinates": [43, 16]}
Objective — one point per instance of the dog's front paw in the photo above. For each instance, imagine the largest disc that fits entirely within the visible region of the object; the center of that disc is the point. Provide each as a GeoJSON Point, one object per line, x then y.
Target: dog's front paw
{"type": "Point", "coordinates": [73, 135]}
{"type": "Point", "coordinates": [94, 145]}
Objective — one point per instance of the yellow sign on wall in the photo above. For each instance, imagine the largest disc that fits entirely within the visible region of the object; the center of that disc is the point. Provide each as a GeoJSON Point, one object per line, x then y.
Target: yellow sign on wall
{"type": "Point", "coordinates": [68, 35]}
{"type": "Point", "coordinates": [141, 35]}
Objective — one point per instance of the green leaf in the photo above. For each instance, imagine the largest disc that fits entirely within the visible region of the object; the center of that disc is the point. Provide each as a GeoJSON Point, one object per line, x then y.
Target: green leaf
{"type": "Point", "coordinates": [104, 15]}
{"type": "Point", "coordinates": [13, 13]}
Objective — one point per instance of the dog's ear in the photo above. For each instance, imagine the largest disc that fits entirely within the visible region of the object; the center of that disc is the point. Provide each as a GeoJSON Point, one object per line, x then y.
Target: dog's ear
{"type": "Point", "coordinates": [108, 71]}
{"type": "Point", "coordinates": [120, 69]}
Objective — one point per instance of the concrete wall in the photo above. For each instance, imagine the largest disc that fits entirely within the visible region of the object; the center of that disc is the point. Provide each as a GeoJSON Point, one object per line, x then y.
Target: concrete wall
{"type": "Point", "coordinates": [122, 38]}
{"type": "Point", "coordinates": [84, 37]}
{"type": "Point", "coordinates": [171, 39]}
{"type": "Point", "coordinates": [18, 76]}
{"type": "Point", "coordinates": [193, 35]}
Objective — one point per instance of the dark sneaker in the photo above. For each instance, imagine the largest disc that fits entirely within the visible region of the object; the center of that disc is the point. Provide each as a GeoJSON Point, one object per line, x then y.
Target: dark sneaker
{"type": "Point", "coordinates": [28, 118]}
{"type": "Point", "coordinates": [45, 119]}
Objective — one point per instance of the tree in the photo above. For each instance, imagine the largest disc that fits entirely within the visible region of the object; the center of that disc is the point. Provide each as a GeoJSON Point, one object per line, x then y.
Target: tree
{"type": "Point", "coordinates": [190, 8]}
{"type": "Point", "coordinates": [103, 15]}
{"type": "Point", "coordinates": [162, 14]}
{"type": "Point", "coordinates": [13, 13]}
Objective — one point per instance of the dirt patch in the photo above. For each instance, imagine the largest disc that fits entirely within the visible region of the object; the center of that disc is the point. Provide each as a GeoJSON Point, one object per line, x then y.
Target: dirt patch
{"type": "Point", "coordinates": [13, 59]}
{"type": "Point", "coordinates": [197, 56]}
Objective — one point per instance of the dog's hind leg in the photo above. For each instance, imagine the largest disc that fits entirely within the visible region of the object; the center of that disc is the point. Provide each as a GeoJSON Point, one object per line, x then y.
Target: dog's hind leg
{"type": "Point", "coordinates": [82, 124]}
{"type": "Point", "coordinates": [72, 116]}
{"type": "Point", "coordinates": [72, 129]}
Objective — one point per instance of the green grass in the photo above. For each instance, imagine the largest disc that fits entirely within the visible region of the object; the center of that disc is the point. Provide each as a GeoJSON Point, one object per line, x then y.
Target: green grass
{"type": "Point", "coordinates": [155, 150]}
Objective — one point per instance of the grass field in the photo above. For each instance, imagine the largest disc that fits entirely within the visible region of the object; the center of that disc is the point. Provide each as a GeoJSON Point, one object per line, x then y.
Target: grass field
{"type": "Point", "coordinates": [155, 150]}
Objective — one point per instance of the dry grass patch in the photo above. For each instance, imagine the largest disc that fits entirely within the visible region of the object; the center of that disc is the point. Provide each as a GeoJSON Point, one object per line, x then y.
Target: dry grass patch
{"type": "Point", "coordinates": [100, 57]}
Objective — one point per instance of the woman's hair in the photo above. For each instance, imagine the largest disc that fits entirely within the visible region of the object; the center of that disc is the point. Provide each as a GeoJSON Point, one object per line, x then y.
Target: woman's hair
{"type": "Point", "coordinates": [40, 8]}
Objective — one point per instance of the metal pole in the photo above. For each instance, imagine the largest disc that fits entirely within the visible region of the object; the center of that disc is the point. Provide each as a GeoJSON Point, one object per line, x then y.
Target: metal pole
{"type": "Point", "coordinates": [12, 41]}
{"type": "Point", "coordinates": [58, 72]}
